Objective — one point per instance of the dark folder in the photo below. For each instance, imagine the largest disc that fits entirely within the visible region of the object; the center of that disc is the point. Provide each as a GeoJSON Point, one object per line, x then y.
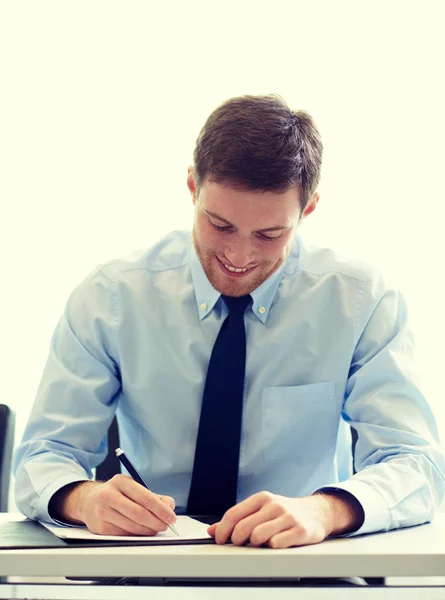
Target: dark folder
{"type": "Point", "coordinates": [20, 535]}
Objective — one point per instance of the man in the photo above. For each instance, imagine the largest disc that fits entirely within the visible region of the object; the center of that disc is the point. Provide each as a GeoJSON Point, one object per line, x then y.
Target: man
{"type": "Point", "coordinates": [320, 345]}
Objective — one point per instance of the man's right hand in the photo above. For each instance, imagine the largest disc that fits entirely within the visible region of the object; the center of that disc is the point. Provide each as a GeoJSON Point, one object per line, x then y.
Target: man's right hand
{"type": "Point", "coordinates": [120, 506]}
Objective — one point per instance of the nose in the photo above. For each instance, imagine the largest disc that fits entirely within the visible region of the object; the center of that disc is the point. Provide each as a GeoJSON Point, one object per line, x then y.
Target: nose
{"type": "Point", "coordinates": [239, 254]}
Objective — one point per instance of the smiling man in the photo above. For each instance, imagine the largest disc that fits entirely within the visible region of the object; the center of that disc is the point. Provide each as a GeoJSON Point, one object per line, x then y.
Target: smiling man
{"type": "Point", "coordinates": [239, 248]}
{"type": "Point", "coordinates": [237, 359]}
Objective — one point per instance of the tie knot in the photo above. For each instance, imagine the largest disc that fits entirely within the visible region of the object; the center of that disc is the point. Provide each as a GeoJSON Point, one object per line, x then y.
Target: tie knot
{"type": "Point", "coordinates": [237, 306]}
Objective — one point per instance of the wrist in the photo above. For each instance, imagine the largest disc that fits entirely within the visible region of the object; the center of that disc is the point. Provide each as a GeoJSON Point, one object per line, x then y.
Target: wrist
{"type": "Point", "coordinates": [66, 504]}
{"type": "Point", "coordinates": [342, 512]}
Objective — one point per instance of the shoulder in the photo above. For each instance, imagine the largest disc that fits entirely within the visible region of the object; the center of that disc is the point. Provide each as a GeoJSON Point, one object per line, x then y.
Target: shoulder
{"type": "Point", "coordinates": [327, 263]}
{"type": "Point", "coordinates": [168, 254]}
{"type": "Point", "coordinates": [339, 276]}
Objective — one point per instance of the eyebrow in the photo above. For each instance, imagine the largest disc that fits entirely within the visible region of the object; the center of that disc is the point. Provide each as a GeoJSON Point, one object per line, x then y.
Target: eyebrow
{"type": "Point", "coordinates": [274, 228]}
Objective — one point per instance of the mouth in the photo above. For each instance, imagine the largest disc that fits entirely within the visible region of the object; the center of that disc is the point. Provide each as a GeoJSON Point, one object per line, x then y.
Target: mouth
{"type": "Point", "coordinates": [232, 272]}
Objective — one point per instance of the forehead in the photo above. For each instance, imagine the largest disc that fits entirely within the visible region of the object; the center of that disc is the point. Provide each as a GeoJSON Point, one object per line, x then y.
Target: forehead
{"type": "Point", "coordinates": [259, 209]}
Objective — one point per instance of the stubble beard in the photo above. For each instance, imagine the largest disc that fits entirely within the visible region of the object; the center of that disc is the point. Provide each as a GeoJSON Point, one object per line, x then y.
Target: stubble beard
{"type": "Point", "coordinates": [235, 287]}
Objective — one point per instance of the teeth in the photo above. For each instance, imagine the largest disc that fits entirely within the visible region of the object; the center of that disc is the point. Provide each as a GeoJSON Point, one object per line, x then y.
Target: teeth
{"type": "Point", "coordinates": [235, 270]}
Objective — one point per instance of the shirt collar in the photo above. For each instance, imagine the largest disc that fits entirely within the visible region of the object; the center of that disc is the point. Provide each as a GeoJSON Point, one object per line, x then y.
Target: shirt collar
{"type": "Point", "coordinates": [205, 293]}
{"type": "Point", "coordinates": [263, 296]}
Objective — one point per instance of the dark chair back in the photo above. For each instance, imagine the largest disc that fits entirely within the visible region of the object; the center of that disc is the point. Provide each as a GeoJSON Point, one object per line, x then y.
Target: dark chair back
{"type": "Point", "coordinates": [7, 428]}
{"type": "Point", "coordinates": [354, 442]}
{"type": "Point", "coordinates": [111, 465]}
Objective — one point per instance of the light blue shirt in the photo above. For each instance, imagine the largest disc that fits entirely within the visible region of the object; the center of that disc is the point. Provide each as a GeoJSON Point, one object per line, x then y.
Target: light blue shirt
{"type": "Point", "coordinates": [328, 346]}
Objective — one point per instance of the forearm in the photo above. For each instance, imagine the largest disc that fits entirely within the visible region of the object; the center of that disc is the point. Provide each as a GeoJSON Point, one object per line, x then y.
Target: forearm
{"type": "Point", "coordinates": [67, 503]}
{"type": "Point", "coordinates": [340, 512]}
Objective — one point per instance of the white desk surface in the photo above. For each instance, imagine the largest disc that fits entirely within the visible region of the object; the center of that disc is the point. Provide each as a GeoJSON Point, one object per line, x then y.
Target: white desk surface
{"type": "Point", "coordinates": [410, 552]}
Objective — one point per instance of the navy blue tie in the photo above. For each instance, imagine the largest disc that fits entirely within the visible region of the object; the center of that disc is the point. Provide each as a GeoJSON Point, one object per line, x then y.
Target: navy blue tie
{"type": "Point", "coordinates": [215, 469]}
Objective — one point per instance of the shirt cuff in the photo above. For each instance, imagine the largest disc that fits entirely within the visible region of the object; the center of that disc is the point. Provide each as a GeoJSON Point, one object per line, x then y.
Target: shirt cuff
{"type": "Point", "coordinates": [48, 493]}
{"type": "Point", "coordinates": [374, 506]}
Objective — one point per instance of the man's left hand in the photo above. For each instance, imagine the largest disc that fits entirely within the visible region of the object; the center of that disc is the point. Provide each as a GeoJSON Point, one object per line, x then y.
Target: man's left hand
{"type": "Point", "coordinates": [277, 521]}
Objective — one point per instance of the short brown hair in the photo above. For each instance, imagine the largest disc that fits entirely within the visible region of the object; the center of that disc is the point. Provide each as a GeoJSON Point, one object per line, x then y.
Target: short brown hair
{"type": "Point", "coordinates": [258, 143]}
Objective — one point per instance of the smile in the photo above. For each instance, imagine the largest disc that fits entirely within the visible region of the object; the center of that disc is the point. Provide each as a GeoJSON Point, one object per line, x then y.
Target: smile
{"type": "Point", "coordinates": [233, 271]}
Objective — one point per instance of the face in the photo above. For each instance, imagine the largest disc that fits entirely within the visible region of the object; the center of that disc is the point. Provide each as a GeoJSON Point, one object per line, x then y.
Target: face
{"type": "Point", "coordinates": [242, 237]}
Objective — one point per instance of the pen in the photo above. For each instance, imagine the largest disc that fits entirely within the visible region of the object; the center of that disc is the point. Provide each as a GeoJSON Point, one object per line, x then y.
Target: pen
{"type": "Point", "coordinates": [127, 464]}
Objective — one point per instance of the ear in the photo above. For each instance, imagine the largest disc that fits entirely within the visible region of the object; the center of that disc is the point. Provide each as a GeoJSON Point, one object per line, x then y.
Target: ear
{"type": "Point", "coordinates": [312, 205]}
{"type": "Point", "coordinates": [191, 184]}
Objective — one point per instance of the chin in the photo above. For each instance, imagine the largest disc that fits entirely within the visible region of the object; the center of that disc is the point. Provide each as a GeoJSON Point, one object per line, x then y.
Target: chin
{"type": "Point", "coordinates": [230, 290]}
{"type": "Point", "coordinates": [235, 288]}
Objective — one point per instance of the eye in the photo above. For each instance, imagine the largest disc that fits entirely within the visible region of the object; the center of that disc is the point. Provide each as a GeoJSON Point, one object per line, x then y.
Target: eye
{"type": "Point", "coordinates": [220, 227]}
{"type": "Point", "coordinates": [269, 238]}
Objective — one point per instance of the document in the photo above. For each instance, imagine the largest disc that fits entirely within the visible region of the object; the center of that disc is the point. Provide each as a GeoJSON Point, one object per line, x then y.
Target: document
{"type": "Point", "coordinates": [189, 530]}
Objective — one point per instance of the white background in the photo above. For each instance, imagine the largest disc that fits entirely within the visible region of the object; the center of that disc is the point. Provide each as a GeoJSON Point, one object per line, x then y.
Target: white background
{"type": "Point", "coordinates": [100, 106]}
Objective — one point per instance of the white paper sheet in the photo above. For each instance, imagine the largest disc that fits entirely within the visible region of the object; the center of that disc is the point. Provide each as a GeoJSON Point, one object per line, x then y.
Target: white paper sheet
{"type": "Point", "coordinates": [188, 529]}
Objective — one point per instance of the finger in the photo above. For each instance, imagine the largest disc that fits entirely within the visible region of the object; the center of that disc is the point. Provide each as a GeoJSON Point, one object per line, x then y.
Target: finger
{"type": "Point", "coordinates": [105, 528]}
{"type": "Point", "coordinates": [107, 521]}
{"type": "Point", "coordinates": [243, 530]}
{"type": "Point", "coordinates": [138, 514]}
{"type": "Point", "coordinates": [145, 498]}
{"type": "Point", "coordinates": [211, 530]}
{"type": "Point", "coordinates": [169, 501]}
{"type": "Point", "coordinates": [287, 539]}
{"type": "Point", "coordinates": [263, 532]}
{"type": "Point", "coordinates": [238, 512]}
{"type": "Point", "coordinates": [127, 526]}
{"type": "Point", "coordinates": [298, 535]}
{"type": "Point", "coordinates": [110, 497]}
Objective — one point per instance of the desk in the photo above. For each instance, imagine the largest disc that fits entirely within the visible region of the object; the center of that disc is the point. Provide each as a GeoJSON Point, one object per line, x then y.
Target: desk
{"type": "Point", "coordinates": [410, 552]}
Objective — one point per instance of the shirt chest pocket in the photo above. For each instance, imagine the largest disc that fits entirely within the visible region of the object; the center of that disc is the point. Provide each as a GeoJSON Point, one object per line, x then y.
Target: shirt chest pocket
{"type": "Point", "coordinates": [300, 423]}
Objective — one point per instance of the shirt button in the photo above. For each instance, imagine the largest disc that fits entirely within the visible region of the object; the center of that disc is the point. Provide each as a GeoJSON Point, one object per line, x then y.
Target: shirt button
{"type": "Point", "coordinates": [204, 306]}
{"type": "Point", "coordinates": [262, 310]}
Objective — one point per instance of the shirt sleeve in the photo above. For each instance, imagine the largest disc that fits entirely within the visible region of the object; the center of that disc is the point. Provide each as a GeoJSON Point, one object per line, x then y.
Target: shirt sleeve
{"type": "Point", "coordinates": [66, 434]}
{"type": "Point", "coordinates": [400, 479]}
